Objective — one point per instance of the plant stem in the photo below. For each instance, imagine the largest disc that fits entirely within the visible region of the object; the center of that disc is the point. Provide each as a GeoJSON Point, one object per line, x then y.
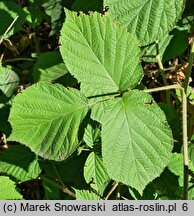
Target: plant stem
{"type": "Point", "coordinates": [111, 190]}
{"type": "Point", "coordinates": [189, 68]}
{"type": "Point", "coordinates": [103, 100]}
{"type": "Point", "coordinates": [19, 59]}
{"type": "Point", "coordinates": [185, 137]}
{"type": "Point", "coordinates": [162, 71]}
{"type": "Point", "coordinates": [64, 187]}
{"type": "Point", "coordinates": [56, 185]}
{"type": "Point", "coordinates": [8, 29]}
{"type": "Point", "coordinates": [185, 144]}
{"type": "Point", "coordinates": [36, 42]}
{"type": "Point", "coordinates": [163, 88]}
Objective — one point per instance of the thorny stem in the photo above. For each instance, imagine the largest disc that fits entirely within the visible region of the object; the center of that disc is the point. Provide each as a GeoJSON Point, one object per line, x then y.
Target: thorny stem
{"type": "Point", "coordinates": [189, 68]}
{"type": "Point", "coordinates": [185, 138]}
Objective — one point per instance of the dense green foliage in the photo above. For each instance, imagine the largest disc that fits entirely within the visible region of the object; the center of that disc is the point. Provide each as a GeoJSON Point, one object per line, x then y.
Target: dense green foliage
{"type": "Point", "coordinates": [77, 113]}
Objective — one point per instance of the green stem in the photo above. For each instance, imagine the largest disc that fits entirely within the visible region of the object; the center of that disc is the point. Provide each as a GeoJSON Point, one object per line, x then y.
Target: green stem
{"type": "Point", "coordinates": [19, 59]}
{"type": "Point", "coordinates": [103, 100]}
{"type": "Point", "coordinates": [185, 136]}
{"type": "Point", "coordinates": [56, 185]}
{"type": "Point", "coordinates": [189, 68]}
{"type": "Point", "coordinates": [116, 184]}
{"type": "Point", "coordinates": [36, 42]}
{"type": "Point", "coordinates": [8, 29]}
{"type": "Point", "coordinates": [185, 144]}
{"type": "Point", "coordinates": [64, 187]}
{"type": "Point", "coordinates": [162, 71]}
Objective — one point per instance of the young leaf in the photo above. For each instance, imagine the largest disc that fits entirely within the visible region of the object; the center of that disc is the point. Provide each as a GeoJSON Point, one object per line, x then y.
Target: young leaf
{"type": "Point", "coordinates": [91, 135]}
{"type": "Point", "coordinates": [148, 20]}
{"type": "Point", "coordinates": [100, 54]}
{"type": "Point", "coordinates": [20, 163]}
{"type": "Point", "coordinates": [8, 189]}
{"type": "Point", "coordinates": [95, 172]}
{"type": "Point", "coordinates": [46, 118]}
{"type": "Point", "coordinates": [136, 140]}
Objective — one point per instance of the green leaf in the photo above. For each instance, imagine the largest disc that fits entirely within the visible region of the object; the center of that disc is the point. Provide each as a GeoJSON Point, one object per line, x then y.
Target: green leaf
{"type": "Point", "coordinates": [136, 140]}
{"type": "Point", "coordinates": [54, 8]}
{"type": "Point", "coordinates": [191, 151]}
{"type": "Point", "coordinates": [5, 126]}
{"type": "Point", "coordinates": [149, 19]}
{"type": "Point", "coordinates": [34, 17]}
{"type": "Point", "coordinates": [191, 192]}
{"type": "Point", "coordinates": [20, 163]}
{"type": "Point", "coordinates": [95, 172]}
{"type": "Point", "coordinates": [176, 166]}
{"type": "Point", "coordinates": [172, 116]}
{"type": "Point", "coordinates": [50, 191]}
{"type": "Point", "coordinates": [53, 73]}
{"type": "Point", "coordinates": [8, 189]}
{"type": "Point", "coordinates": [170, 46]}
{"type": "Point", "coordinates": [100, 54]}
{"type": "Point", "coordinates": [49, 67]}
{"type": "Point", "coordinates": [8, 12]}
{"type": "Point", "coordinates": [91, 135]}
{"type": "Point", "coordinates": [73, 169]}
{"type": "Point", "coordinates": [104, 57]}
{"type": "Point", "coordinates": [86, 195]}
{"type": "Point", "coordinates": [9, 81]}
{"type": "Point", "coordinates": [165, 187]}
{"type": "Point", "coordinates": [46, 118]}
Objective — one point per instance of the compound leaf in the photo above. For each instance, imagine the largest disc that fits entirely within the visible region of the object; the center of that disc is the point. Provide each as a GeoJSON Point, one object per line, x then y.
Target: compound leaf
{"type": "Point", "coordinates": [46, 118]}
{"type": "Point", "coordinates": [99, 54]}
{"type": "Point", "coordinates": [104, 57]}
{"type": "Point", "coordinates": [149, 19]}
{"type": "Point", "coordinates": [136, 140]}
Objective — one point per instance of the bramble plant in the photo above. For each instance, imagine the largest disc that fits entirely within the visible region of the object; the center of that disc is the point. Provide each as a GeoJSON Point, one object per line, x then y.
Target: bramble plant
{"type": "Point", "coordinates": [88, 126]}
